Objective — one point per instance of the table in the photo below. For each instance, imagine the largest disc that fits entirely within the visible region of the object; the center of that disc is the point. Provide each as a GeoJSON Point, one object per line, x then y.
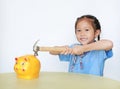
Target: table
{"type": "Point", "coordinates": [58, 80]}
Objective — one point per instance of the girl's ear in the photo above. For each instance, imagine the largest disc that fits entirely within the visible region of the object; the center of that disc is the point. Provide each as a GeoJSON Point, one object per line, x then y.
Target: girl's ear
{"type": "Point", "coordinates": [97, 32]}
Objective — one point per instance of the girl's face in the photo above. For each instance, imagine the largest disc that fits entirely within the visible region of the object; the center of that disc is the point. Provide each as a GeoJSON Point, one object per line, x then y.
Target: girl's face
{"type": "Point", "coordinates": [85, 32]}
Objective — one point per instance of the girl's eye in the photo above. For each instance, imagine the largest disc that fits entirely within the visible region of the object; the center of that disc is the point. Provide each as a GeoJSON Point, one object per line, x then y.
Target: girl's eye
{"type": "Point", "coordinates": [78, 30]}
{"type": "Point", "coordinates": [86, 29]}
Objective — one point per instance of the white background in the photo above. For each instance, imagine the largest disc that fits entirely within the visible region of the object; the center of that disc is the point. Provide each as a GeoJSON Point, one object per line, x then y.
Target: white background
{"type": "Point", "coordinates": [22, 22]}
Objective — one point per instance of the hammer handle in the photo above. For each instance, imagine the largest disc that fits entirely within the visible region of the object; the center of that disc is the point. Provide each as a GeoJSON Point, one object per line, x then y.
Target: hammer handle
{"type": "Point", "coordinates": [55, 49]}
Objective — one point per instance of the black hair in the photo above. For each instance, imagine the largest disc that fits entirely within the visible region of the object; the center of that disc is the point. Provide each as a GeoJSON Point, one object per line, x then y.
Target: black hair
{"type": "Point", "coordinates": [94, 20]}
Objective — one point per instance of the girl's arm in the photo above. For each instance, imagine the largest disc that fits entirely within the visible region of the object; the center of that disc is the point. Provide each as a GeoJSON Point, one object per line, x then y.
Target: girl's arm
{"type": "Point", "coordinates": [98, 45]}
{"type": "Point", "coordinates": [77, 50]}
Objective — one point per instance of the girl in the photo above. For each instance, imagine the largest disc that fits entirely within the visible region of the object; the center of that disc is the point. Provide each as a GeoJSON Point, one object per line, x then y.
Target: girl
{"type": "Point", "coordinates": [87, 57]}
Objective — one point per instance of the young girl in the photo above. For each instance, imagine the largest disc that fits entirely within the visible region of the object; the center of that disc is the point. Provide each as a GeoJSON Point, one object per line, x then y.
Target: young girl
{"type": "Point", "coordinates": [89, 55]}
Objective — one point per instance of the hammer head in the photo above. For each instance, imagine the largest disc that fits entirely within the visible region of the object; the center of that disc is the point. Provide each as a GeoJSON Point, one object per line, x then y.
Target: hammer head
{"type": "Point", "coordinates": [36, 48]}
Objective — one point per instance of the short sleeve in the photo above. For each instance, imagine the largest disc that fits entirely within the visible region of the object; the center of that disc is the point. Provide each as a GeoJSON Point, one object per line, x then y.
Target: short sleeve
{"type": "Point", "coordinates": [63, 57]}
{"type": "Point", "coordinates": [109, 53]}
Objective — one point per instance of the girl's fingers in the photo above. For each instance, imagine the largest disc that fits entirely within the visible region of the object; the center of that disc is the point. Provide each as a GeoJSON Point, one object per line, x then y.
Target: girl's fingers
{"type": "Point", "coordinates": [66, 51]}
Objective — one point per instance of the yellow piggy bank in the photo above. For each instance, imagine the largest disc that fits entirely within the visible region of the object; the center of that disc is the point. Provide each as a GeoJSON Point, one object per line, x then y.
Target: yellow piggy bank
{"type": "Point", "coordinates": [27, 67]}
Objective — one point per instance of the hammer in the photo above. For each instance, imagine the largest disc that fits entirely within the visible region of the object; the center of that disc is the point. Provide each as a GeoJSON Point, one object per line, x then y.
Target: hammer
{"type": "Point", "coordinates": [37, 48]}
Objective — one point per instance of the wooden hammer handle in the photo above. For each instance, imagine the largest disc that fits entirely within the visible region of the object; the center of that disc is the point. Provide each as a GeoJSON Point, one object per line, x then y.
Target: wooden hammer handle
{"type": "Point", "coordinates": [55, 49]}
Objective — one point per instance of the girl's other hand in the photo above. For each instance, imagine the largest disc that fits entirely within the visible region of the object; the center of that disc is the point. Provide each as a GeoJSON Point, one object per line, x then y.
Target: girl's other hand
{"type": "Point", "coordinates": [77, 50]}
{"type": "Point", "coordinates": [67, 50]}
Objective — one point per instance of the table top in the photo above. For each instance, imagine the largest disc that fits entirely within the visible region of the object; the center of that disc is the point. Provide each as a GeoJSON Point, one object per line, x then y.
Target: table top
{"type": "Point", "coordinates": [58, 80]}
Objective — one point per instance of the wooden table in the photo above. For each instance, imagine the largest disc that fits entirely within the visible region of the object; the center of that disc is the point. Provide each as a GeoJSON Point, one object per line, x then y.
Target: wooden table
{"type": "Point", "coordinates": [58, 80]}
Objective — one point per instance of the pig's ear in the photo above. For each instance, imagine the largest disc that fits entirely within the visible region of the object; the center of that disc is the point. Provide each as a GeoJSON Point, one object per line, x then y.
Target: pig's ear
{"type": "Point", "coordinates": [26, 59]}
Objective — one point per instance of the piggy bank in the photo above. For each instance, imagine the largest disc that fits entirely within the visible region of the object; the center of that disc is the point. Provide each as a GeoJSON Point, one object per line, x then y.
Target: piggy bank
{"type": "Point", "coordinates": [27, 67]}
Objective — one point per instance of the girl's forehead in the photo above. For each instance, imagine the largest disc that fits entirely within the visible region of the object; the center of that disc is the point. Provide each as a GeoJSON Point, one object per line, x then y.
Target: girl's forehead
{"type": "Point", "coordinates": [85, 22]}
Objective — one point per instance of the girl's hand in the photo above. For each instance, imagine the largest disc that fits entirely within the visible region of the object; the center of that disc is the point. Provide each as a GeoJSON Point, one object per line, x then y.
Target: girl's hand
{"type": "Point", "coordinates": [77, 50]}
{"type": "Point", "coordinates": [67, 50]}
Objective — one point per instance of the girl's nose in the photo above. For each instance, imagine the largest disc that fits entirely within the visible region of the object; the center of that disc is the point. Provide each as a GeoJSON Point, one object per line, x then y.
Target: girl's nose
{"type": "Point", "coordinates": [82, 33]}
